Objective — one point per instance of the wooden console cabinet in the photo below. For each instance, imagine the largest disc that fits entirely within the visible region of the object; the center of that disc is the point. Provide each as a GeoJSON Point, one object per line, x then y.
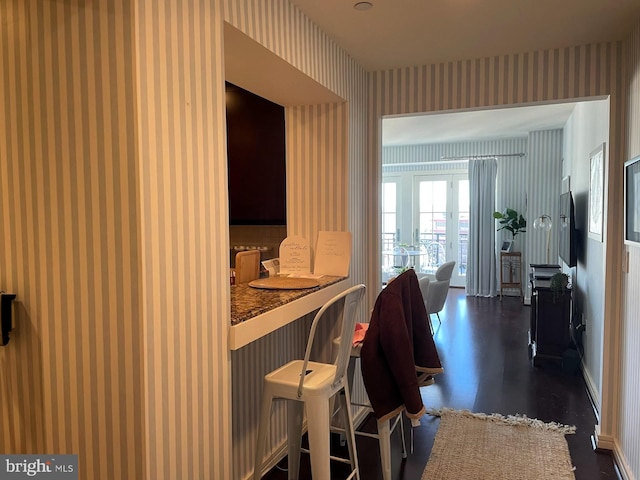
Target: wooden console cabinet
{"type": "Point", "coordinates": [550, 332]}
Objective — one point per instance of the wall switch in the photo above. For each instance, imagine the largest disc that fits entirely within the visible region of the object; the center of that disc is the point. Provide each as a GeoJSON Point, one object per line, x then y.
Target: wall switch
{"type": "Point", "coordinates": [625, 261]}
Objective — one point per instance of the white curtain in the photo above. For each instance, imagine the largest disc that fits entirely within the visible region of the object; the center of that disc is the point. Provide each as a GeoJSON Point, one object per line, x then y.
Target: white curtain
{"type": "Point", "coordinates": [481, 256]}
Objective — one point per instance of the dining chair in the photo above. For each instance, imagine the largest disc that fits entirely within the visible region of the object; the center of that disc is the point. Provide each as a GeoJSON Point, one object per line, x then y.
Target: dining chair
{"type": "Point", "coordinates": [435, 288]}
{"type": "Point", "coordinates": [397, 358]}
{"type": "Point", "coordinates": [310, 387]}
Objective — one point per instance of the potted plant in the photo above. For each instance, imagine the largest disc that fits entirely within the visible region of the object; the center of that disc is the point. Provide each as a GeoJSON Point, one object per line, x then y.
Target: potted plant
{"type": "Point", "coordinates": [558, 285]}
{"type": "Point", "coordinates": [512, 221]}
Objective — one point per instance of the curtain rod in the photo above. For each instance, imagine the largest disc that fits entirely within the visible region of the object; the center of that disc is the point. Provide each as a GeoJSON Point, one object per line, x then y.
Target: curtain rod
{"type": "Point", "coordinates": [479, 157]}
{"type": "Point", "coordinates": [445, 160]}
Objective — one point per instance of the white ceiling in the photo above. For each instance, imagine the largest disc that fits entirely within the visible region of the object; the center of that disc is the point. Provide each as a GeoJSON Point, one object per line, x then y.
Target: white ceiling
{"type": "Point", "coordinates": [401, 33]}
{"type": "Point", "coordinates": [473, 125]}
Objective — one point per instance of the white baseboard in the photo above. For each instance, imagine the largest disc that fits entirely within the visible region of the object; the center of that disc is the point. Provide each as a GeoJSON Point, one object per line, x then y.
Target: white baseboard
{"type": "Point", "coordinates": [594, 394]}
{"type": "Point", "coordinates": [603, 442]}
{"type": "Point", "coordinates": [606, 442]}
{"type": "Point", "coordinates": [624, 470]}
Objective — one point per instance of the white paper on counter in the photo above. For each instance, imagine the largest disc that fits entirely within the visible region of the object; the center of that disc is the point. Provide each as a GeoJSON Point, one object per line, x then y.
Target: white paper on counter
{"type": "Point", "coordinates": [295, 256]}
{"type": "Point", "coordinates": [304, 275]}
{"type": "Point", "coordinates": [333, 254]}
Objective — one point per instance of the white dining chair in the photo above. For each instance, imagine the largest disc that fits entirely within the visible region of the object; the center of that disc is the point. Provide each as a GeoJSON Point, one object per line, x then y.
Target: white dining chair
{"type": "Point", "coordinates": [435, 288]}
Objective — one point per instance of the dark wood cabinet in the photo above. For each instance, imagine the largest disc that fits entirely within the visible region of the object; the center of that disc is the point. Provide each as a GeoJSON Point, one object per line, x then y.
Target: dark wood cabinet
{"type": "Point", "coordinates": [550, 330]}
{"type": "Point", "coordinates": [256, 155]}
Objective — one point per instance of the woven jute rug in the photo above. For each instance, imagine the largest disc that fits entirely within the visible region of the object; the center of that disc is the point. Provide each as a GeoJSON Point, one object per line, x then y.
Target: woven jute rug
{"type": "Point", "coordinates": [480, 446]}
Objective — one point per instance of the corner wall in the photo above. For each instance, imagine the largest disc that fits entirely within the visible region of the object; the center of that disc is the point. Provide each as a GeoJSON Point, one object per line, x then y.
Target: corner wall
{"type": "Point", "coordinates": [184, 263]}
{"type": "Point", "coordinates": [587, 128]}
{"type": "Point", "coordinates": [113, 194]}
{"type": "Point", "coordinates": [71, 376]}
{"type": "Point", "coordinates": [327, 185]}
{"type": "Point", "coordinates": [628, 427]}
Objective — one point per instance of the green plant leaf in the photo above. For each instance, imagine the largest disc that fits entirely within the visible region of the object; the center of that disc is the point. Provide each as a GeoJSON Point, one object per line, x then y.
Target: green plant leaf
{"type": "Point", "coordinates": [511, 220]}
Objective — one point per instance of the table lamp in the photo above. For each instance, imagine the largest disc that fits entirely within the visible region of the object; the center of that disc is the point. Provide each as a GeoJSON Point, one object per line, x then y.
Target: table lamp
{"type": "Point", "coordinates": [543, 222]}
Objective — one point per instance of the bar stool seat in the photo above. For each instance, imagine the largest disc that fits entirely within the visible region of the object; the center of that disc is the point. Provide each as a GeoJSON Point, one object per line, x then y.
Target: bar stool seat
{"type": "Point", "coordinates": [311, 386]}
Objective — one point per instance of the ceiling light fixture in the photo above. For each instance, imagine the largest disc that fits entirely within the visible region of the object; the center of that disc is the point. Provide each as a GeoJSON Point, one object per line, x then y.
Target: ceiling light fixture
{"type": "Point", "coordinates": [363, 5]}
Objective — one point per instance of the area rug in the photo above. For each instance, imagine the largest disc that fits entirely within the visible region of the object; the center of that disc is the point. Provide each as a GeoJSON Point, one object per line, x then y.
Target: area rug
{"type": "Point", "coordinates": [480, 446]}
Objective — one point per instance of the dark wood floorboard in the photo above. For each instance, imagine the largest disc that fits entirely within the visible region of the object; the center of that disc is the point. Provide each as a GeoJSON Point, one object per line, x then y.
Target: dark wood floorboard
{"type": "Point", "coordinates": [482, 344]}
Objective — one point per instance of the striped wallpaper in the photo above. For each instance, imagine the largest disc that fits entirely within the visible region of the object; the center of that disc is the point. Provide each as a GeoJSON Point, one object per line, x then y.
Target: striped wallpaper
{"type": "Point", "coordinates": [71, 377]}
{"type": "Point", "coordinates": [587, 128]}
{"type": "Point", "coordinates": [573, 73]}
{"type": "Point", "coordinates": [543, 76]}
{"type": "Point", "coordinates": [112, 181]}
{"type": "Point", "coordinates": [434, 152]}
{"type": "Point", "coordinates": [528, 184]}
{"type": "Point", "coordinates": [543, 177]}
{"type": "Point", "coordinates": [313, 204]}
{"type": "Point", "coordinates": [629, 415]}
{"type": "Point", "coordinates": [117, 234]}
{"type": "Point", "coordinates": [326, 183]}
{"type": "Point", "coordinates": [184, 238]}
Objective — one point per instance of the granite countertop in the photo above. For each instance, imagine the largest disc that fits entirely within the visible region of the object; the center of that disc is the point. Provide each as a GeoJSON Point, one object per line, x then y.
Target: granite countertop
{"type": "Point", "coordinates": [248, 302]}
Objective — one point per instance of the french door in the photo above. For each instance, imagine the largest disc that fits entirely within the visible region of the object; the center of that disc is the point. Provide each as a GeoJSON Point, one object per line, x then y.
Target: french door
{"type": "Point", "coordinates": [440, 219]}
{"type": "Point", "coordinates": [425, 223]}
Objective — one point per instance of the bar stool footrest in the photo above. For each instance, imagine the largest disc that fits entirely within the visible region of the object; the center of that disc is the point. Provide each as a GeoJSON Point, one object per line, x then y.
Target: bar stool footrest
{"type": "Point", "coordinates": [332, 457]}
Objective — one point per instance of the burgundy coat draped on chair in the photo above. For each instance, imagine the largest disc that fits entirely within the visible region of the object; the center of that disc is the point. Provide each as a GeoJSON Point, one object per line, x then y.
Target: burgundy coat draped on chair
{"type": "Point", "coordinates": [398, 353]}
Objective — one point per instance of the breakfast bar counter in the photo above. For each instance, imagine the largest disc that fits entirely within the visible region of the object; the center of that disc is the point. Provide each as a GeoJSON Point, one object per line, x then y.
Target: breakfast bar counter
{"type": "Point", "coordinates": [256, 312]}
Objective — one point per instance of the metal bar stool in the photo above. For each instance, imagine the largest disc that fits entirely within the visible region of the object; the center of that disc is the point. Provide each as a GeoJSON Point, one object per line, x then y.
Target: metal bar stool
{"type": "Point", "coordinates": [384, 428]}
{"type": "Point", "coordinates": [311, 386]}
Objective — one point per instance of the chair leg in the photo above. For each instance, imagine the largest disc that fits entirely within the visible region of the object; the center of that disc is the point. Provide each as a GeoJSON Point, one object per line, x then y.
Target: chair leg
{"type": "Point", "coordinates": [384, 434]}
{"type": "Point", "coordinates": [295, 412]}
{"type": "Point", "coordinates": [347, 416]}
{"type": "Point", "coordinates": [263, 427]}
{"type": "Point", "coordinates": [318, 423]}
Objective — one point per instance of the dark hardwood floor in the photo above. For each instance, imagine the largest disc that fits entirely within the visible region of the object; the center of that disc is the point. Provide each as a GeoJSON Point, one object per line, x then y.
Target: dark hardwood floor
{"type": "Point", "coordinates": [482, 344]}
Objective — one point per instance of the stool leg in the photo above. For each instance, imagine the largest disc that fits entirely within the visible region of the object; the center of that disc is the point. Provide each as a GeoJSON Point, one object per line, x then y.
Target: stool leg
{"type": "Point", "coordinates": [345, 407]}
{"type": "Point", "coordinates": [351, 372]}
{"type": "Point", "coordinates": [263, 427]}
{"type": "Point", "coordinates": [318, 422]}
{"type": "Point", "coordinates": [384, 434]}
{"type": "Point", "coordinates": [404, 442]}
{"type": "Point", "coordinates": [295, 411]}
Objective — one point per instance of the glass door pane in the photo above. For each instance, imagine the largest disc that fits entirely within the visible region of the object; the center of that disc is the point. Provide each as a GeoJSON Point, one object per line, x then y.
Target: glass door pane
{"type": "Point", "coordinates": [460, 271]}
{"type": "Point", "coordinates": [432, 224]}
{"type": "Point", "coordinates": [389, 228]}
{"type": "Point", "coordinates": [442, 220]}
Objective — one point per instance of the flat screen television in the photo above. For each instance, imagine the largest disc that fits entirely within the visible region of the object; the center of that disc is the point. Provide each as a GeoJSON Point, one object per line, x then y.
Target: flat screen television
{"type": "Point", "coordinates": [567, 239]}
